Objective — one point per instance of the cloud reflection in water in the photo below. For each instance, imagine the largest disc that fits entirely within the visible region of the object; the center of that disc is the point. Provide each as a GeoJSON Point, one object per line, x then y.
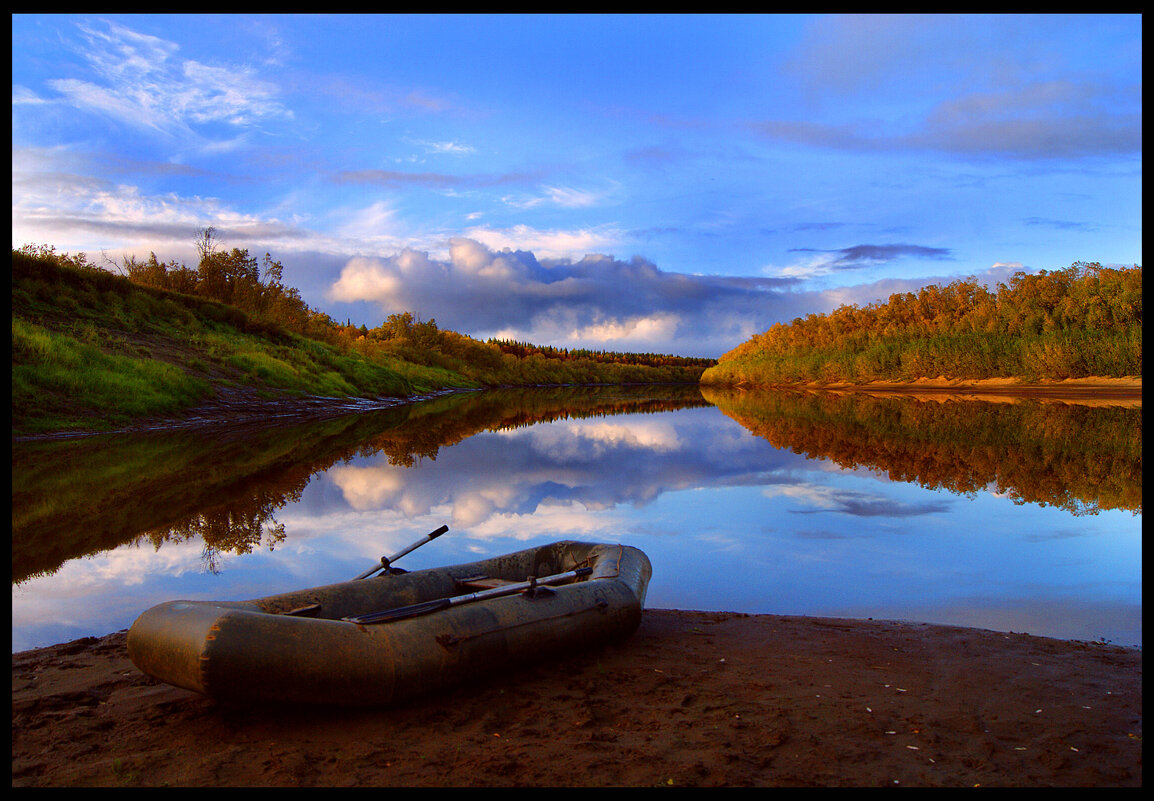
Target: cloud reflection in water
{"type": "Point", "coordinates": [729, 521]}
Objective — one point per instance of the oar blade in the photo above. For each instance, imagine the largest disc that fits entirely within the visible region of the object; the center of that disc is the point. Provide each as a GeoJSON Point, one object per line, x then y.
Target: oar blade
{"type": "Point", "coordinates": [400, 613]}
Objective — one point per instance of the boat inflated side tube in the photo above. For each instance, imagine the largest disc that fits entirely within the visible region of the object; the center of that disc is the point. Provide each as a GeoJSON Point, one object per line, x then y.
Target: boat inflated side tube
{"type": "Point", "coordinates": [254, 651]}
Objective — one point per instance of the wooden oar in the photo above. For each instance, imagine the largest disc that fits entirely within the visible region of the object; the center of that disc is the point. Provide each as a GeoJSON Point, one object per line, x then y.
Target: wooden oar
{"type": "Point", "coordinates": [388, 560]}
{"type": "Point", "coordinates": [424, 608]}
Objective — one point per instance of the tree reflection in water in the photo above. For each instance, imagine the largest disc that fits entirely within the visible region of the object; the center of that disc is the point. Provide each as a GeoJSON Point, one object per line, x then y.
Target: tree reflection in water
{"type": "Point", "coordinates": [768, 513]}
{"type": "Point", "coordinates": [75, 498]}
{"type": "Point", "coordinates": [78, 497]}
{"type": "Point", "coordinates": [1077, 457]}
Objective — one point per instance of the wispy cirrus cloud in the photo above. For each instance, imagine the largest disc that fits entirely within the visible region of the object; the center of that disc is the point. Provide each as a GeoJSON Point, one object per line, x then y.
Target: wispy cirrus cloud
{"type": "Point", "coordinates": [860, 77]}
{"type": "Point", "coordinates": [565, 197]}
{"type": "Point", "coordinates": [446, 148]}
{"type": "Point", "coordinates": [78, 201]}
{"type": "Point", "coordinates": [429, 180]}
{"type": "Point", "coordinates": [1001, 128]}
{"type": "Point", "coordinates": [142, 82]}
{"type": "Point", "coordinates": [1061, 225]}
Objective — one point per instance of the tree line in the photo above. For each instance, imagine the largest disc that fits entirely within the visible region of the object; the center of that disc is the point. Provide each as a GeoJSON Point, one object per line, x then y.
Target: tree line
{"type": "Point", "coordinates": [1082, 321]}
{"type": "Point", "coordinates": [256, 287]}
{"type": "Point", "coordinates": [236, 278]}
{"type": "Point", "coordinates": [404, 336]}
{"type": "Point", "coordinates": [524, 349]}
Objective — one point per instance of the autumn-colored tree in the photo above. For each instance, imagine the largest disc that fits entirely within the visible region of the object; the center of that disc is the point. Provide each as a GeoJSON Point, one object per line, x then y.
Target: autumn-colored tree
{"type": "Point", "coordinates": [1084, 320]}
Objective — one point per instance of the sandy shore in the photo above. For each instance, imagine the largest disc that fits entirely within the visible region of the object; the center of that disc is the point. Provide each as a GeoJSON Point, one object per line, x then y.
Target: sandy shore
{"type": "Point", "coordinates": [1082, 391]}
{"type": "Point", "coordinates": [1132, 384]}
{"type": "Point", "coordinates": [694, 698]}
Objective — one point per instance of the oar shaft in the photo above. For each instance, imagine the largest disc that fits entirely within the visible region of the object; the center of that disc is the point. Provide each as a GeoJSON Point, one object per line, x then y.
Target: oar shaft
{"type": "Point", "coordinates": [520, 586]}
{"type": "Point", "coordinates": [424, 608]}
{"type": "Point", "coordinates": [432, 535]}
{"type": "Point", "coordinates": [388, 560]}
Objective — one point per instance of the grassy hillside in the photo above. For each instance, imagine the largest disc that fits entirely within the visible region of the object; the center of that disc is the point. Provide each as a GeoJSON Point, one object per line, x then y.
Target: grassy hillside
{"type": "Point", "coordinates": [1080, 322]}
{"type": "Point", "coordinates": [92, 350]}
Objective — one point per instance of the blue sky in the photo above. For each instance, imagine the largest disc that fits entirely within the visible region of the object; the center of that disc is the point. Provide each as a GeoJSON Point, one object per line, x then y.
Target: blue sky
{"type": "Point", "coordinates": [649, 183]}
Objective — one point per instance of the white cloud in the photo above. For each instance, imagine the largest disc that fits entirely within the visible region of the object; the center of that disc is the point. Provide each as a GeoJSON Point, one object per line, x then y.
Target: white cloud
{"type": "Point", "coordinates": [647, 435]}
{"type": "Point", "coordinates": [582, 324]}
{"type": "Point", "coordinates": [565, 197]}
{"type": "Point", "coordinates": [140, 81]}
{"type": "Point", "coordinates": [56, 201]}
{"type": "Point", "coordinates": [812, 266]}
{"type": "Point", "coordinates": [369, 223]}
{"type": "Point", "coordinates": [368, 488]}
{"type": "Point", "coordinates": [452, 148]}
{"type": "Point", "coordinates": [548, 244]}
{"type": "Point", "coordinates": [648, 328]}
{"type": "Point", "coordinates": [570, 198]}
{"type": "Point", "coordinates": [23, 96]}
{"type": "Point", "coordinates": [366, 279]}
{"type": "Point", "coordinates": [597, 302]}
{"type": "Point", "coordinates": [555, 521]}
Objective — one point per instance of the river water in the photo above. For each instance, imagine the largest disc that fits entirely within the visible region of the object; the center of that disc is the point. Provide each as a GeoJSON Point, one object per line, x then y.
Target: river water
{"type": "Point", "coordinates": [1013, 516]}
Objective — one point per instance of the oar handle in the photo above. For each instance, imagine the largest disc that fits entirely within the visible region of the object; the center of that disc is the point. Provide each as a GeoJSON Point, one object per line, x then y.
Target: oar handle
{"type": "Point", "coordinates": [426, 607]}
{"type": "Point", "coordinates": [388, 560]}
{"type": "Point", "coordinates": [432, 535]}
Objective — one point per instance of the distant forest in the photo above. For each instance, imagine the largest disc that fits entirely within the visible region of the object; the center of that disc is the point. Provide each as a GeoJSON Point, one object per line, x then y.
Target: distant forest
{"type": "Point", "coordinates": [524, 349]}
{"type": "Point", "coordinates": [1079, 322]}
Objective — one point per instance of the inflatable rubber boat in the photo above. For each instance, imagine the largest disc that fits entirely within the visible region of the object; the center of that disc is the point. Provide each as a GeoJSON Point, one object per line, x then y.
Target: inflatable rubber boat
{"type": "Point", "coordinates": [380, 639]}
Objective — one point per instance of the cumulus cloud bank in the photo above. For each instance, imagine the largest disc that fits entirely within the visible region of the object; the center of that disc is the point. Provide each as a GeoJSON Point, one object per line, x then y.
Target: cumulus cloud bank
{"type": "Point", "coordinates": [598, 302]}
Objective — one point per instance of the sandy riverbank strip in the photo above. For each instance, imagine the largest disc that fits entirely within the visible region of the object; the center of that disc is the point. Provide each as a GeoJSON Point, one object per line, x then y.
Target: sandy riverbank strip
{"type": "Point", "coordinates": [1083, 391]}
{"type": "Point", "coordinates": [693, 698]}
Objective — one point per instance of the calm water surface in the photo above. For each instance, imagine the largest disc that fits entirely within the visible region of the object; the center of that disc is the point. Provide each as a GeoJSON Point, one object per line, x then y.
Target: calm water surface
{"type": "Point", "coordinates": [1018, 517]}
